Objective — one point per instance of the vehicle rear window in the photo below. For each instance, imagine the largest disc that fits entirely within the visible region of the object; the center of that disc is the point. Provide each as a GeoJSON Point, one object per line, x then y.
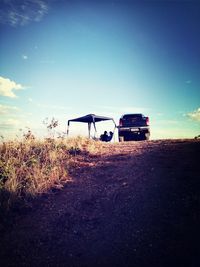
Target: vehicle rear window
{"type": "Point", "coordinates": [132, 116]}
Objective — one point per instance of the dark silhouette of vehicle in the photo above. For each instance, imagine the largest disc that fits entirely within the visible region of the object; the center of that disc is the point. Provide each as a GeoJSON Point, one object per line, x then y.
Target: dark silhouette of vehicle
{"type": "Point", "coordinates": [133, 127]}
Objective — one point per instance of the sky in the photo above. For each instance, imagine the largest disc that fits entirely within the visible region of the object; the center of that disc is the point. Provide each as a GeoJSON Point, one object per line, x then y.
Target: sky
{"type": "Point", "coordinates": [65, 59]}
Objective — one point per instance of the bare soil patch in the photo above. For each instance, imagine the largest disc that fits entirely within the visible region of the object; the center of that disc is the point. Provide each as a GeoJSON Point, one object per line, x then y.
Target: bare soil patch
{"type": "Point", "coordinates": [135, 204]}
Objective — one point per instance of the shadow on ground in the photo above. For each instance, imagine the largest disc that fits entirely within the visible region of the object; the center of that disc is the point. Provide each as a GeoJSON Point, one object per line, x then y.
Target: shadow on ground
{"type": "Point", "coordinates": [136, 206]}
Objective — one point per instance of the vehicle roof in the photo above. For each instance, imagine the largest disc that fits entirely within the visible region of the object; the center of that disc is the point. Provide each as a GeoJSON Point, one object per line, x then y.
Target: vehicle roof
{"type": "Point", "coordinates": [132, 114]}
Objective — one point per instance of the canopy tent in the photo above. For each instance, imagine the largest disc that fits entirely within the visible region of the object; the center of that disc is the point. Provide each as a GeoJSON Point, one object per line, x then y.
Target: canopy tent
{"type": "Point", "coordinates": [90, 119]}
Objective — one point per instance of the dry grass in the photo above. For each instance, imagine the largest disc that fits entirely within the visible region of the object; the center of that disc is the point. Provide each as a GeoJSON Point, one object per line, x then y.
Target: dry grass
{"type": "Point", "coordinates": [32, 167]}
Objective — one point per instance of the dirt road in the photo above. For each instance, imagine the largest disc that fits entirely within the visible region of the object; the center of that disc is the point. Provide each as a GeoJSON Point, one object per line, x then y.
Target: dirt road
{"type": "Point", "coordinates": [136, 204]}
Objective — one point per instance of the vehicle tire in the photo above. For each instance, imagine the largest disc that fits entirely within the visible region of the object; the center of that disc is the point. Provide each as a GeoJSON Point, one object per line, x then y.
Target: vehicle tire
{"type": "Point", "coordinates": [121, 138]}
{"type": "Point", "coordinates": [146, 136]}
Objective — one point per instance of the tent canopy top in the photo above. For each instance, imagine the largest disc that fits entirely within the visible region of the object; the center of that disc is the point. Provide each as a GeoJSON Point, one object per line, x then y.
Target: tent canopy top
{"type": "Point", "coordinates": [91, 118]}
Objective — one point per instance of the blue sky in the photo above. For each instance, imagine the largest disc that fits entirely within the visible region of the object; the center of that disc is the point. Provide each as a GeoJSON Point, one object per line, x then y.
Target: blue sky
{"type": "Point", "coordinates": [66, 59]}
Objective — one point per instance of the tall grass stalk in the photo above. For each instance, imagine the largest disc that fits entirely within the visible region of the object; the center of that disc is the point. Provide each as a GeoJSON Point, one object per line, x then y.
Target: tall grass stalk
{"type": "Point", "coordinates": [32, 166]}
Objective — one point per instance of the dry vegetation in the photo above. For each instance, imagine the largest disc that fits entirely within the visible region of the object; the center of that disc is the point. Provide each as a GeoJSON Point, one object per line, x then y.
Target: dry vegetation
{"type": "Point", "coordinates": [137, 198]}
{"type": "Point", "coordinates": [32, 166]}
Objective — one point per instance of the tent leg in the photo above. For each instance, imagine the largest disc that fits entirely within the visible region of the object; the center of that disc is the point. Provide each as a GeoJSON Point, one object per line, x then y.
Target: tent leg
{"type": "Point", "coordinates": [89, 129]}
{"type": "Point", "coordinates": [95, 129]}
{"type": "Point", "coordinates": [67, 129]}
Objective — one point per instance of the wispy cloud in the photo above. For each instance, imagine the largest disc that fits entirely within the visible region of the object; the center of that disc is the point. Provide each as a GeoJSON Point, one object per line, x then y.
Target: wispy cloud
{"type": "Point", "coordinates": [195, 115]}
{"type": "Point", "coordinates": [54, 107]}
{"type": "Point", "coordinates": [48, 106]}
{"type": "Point", "coordinates": [171, 132]}
{"type": "Point", "coordinates": [160, 114]}
{"type": "Point", "coordinates": [6, 110]}
{"type": "Point", "coordinates": [25, 57]}
{"type": "Point", "coordinates": [116, 111]}
{"type": "Point", "coordinates": [22, 12]}
{"type": "Point", "coordinates": [11, 119]}
{"type": "Point", "coordinates": [188, 81]}
{"type": "Point", "coordinates": [9, 124]}
{"type": "Point", "coordinates": [7, 87]}
{"type": "Point", "coordinates": [167, 122]}
{"type": "Point", "coordinates": [47, 61]}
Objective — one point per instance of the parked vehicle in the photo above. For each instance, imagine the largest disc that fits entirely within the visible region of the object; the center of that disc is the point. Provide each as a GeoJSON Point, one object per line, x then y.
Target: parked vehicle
{"type": "Point", "coordinates": [133, 127]}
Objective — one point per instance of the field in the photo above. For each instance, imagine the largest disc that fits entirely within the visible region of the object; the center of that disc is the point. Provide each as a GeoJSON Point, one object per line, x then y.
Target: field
{"type": "Point", "coordinates": [84, 203]}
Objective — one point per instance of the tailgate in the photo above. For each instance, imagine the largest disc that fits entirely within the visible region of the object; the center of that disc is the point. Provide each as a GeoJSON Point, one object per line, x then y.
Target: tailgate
{"type": "Point", "coordinates": [133, 129]}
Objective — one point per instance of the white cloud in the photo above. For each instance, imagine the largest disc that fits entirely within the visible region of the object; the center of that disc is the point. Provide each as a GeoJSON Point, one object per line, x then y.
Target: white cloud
{"type": "Point", "coordinates": [9, 123]}
{"type": "Point", "coordinates": [55, 107]}
{"type": "Point", "coordinates": [12, 119]}
{"type": "Point", "coordinates": [171, 133]}
{"type": "Point", "coordinates": [22, 12]}
{"type": "Point", "coordinates": [160, 114]}
{"type": "Point", "coordinates": [25, 57]}
{"type": "Point", "coordinates": [188, 81]}
{"type": "Point", "coordinates": [166, 122]}
{"type": "Point", "coordinates": [7, 86]}
{"type": "Point", "coordinates": [125, 109]}
{"type": "Point", "coordinates": [9, 117]}
{"type": "Point", "coordinates": [47, 61]}
{"type": "Point", "coordinates": [5, 110]}
{"type": "Point", "coordinates": [195, 115]}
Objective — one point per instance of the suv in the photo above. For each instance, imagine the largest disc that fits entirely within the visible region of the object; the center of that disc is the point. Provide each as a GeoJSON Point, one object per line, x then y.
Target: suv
{"type": "Point", "coordinates": [133, 127]}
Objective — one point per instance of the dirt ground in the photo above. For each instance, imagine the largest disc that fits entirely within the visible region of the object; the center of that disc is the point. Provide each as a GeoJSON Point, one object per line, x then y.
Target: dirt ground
{"type": "Point", "coordinates": [136, 204]}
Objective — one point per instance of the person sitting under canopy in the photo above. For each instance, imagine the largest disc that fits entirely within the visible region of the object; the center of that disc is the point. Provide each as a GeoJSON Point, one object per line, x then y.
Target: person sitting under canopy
{"type": "Point", "coordinates": [105, 137]}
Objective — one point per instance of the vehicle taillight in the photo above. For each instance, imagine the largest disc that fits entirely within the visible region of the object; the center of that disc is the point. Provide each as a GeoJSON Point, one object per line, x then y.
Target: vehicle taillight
{"type": "Point", "coordinates": [120, 122]}
{"type": "Point", "coordinates": [147, 120]}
